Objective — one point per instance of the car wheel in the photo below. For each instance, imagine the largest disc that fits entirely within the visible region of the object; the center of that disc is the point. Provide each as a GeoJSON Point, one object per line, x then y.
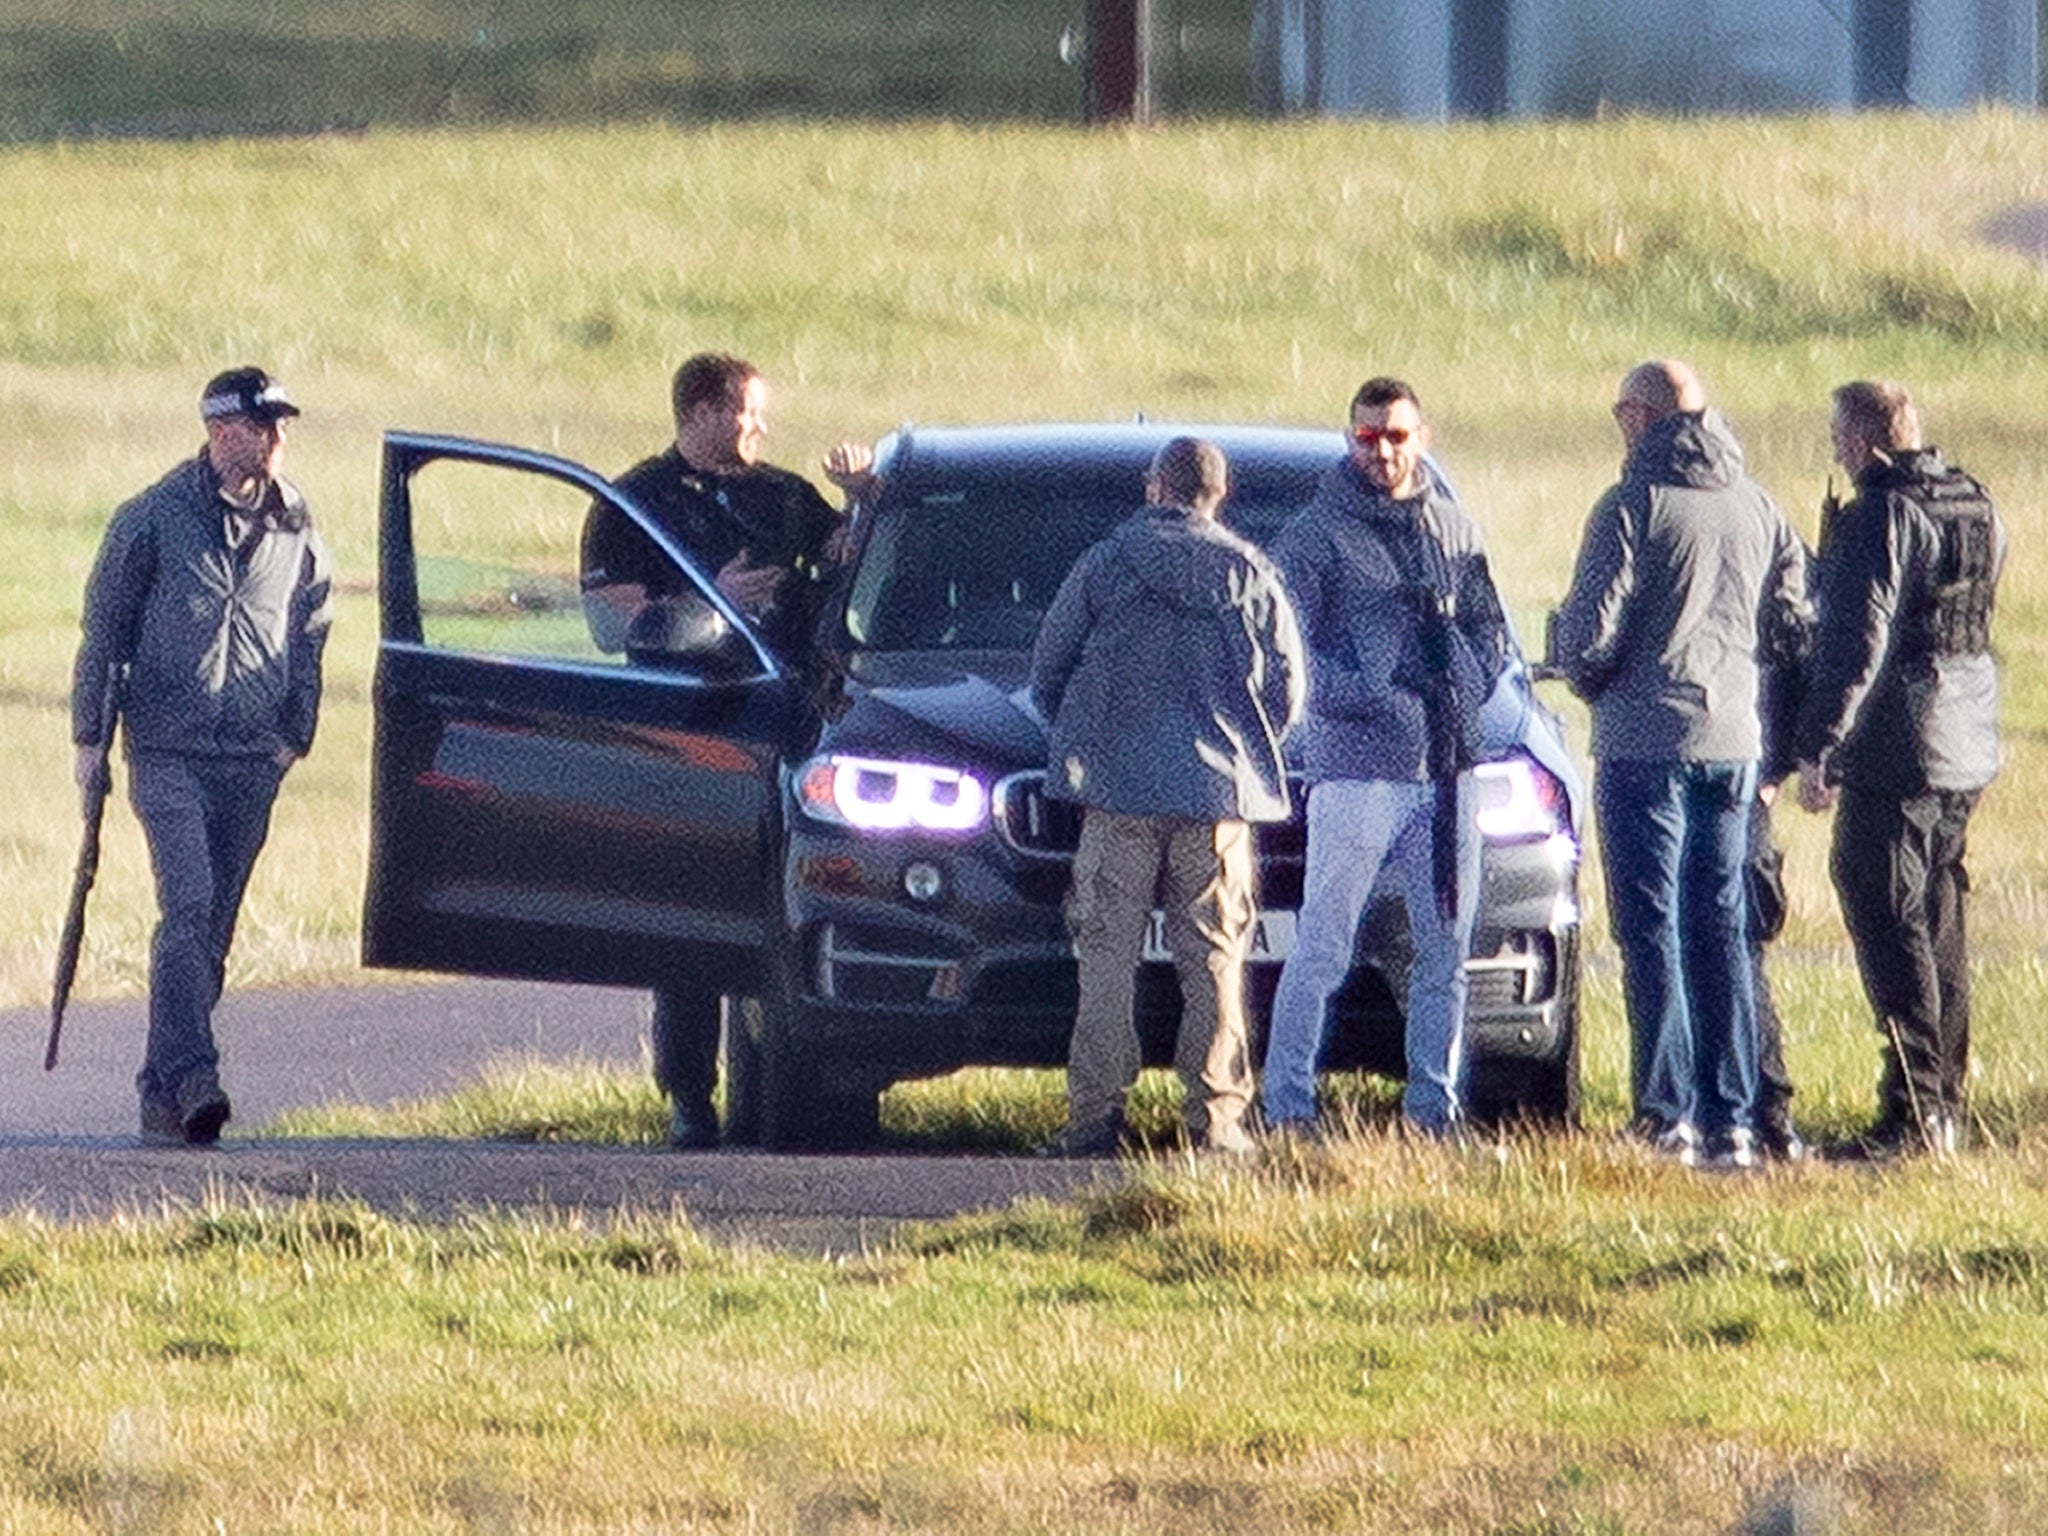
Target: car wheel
{"type": "Point", "coordinates": [779, 1095]}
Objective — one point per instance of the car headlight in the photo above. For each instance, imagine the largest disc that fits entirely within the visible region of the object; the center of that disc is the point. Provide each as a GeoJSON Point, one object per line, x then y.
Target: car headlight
{"type": "Point", "coordinates": [876, 795]}
{"type": "Point", "coordinates": [1519, 800]}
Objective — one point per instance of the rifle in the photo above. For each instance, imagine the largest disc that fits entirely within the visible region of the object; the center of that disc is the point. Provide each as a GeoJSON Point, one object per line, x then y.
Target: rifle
{"type": "Point", "coordinates": [82, 877]}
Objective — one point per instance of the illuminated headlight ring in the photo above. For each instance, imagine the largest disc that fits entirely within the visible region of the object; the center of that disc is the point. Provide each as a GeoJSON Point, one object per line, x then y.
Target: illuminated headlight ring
{"type": "Point", "coordinates": [1518, 801]}
{"type": "Point", "coordinates": [877, 795]}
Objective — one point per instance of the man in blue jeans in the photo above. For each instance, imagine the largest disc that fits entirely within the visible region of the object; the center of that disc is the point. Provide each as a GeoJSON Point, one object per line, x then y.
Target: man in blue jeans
{"type": "Point", "coordinates": [1405, 639]}
{"type": "Point", "coordinates": [1684, 561]}
{"type": "Point", "coordinates": [205, 618]}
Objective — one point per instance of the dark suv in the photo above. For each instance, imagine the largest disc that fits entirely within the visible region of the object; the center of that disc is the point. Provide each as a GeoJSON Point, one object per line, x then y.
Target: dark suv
{"type": "Point", "coordinates": [867, 862]}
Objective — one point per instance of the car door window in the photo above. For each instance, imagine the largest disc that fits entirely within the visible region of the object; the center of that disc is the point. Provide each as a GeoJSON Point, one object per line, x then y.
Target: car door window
{"type": "Point", "coordinates": [498, 554]}
{"type": "Point", "coordinates": [496, 551]}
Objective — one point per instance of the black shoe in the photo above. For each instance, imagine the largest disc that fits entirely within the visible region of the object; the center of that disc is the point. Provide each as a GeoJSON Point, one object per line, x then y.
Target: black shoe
{"type": "Point", "coordinates": [693, 1130]}
{"type": "Point", "coordinates": [1102, 1141]}
{"type": "Point", "coordinates": [1780, 1143]}
{"type": "Point", "coordinates": [204, 1120]}
{"type": "Point", "coordinates": [1892, 1136]}
{"type": "Point", "coordinates": [202, 1109]}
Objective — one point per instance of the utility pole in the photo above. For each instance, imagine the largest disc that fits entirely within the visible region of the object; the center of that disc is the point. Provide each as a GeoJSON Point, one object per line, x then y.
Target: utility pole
{"type": "Point", "coordinates": [1122, 85]}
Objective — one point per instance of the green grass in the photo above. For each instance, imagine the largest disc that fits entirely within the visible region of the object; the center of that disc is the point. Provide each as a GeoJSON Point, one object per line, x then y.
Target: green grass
{"type": "Point", "coordinates": [178, 67]}
{"type": "Point", "coordinates": [1537, 1337]}
{"type": "Point", "coordinates": [1549, 1337]}
{"type": "Point", "coordinates": [539, 287]}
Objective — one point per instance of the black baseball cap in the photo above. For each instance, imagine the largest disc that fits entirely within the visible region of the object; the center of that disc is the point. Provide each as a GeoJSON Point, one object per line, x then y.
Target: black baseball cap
{"type": "Point", "coordinates": [245, 392]}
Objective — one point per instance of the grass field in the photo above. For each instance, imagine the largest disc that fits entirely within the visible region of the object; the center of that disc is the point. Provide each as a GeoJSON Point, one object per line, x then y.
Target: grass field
{"type": "Point", "coordinates": [1541, 1337]}
{"type": "Point", "coordinates": [199, 68]}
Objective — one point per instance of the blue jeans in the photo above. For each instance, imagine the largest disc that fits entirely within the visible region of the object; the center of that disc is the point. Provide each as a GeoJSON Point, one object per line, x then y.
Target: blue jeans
{"type": "Point", "coordinates": [205, 819]}
{"type": "Point", "coordinates": [1674, 838]}
{"type": "Point", "coordinates": [1354, 828]}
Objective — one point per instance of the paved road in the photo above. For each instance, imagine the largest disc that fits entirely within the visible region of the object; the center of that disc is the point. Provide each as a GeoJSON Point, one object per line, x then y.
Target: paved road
{"type": "Point", "coordinates": [68, 1147]}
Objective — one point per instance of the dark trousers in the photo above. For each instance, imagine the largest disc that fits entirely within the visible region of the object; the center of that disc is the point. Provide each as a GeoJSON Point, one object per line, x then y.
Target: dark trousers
{"type": "Point", "coordinates": [685, 1036]}
{"type": "Point", "coordinates": [1765, 873]}
{"type": "Point", "coordinates": [1898, 870]}
{"type": "Point", "coordinates": [206, 819]}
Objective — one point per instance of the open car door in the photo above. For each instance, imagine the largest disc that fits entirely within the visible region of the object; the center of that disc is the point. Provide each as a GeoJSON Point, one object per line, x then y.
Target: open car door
{"type": "Point", "coordinates": [544, 806]}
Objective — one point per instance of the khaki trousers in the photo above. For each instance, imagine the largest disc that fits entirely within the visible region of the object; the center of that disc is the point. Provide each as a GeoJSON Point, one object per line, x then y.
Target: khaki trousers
{"type": "Point", "coordinates": [1200, 874]}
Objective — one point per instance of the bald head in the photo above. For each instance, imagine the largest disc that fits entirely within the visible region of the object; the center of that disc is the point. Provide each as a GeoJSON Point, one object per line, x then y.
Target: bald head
{"type": "Point", "coordinates": [1651, 391]}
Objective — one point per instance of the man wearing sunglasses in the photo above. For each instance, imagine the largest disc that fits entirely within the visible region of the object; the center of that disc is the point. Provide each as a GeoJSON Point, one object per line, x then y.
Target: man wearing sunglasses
{"type": "Point", "coordinates": [1405, 638]}
{"type": "Point", "coordinates": [1687, 566]}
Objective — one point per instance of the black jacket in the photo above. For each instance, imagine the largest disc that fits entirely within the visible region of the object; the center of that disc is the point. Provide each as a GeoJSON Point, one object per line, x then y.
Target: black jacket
{"type": "Point", "coordinates": [1888, 708]}
{"type": "Point", "coordinates": [777, 517]}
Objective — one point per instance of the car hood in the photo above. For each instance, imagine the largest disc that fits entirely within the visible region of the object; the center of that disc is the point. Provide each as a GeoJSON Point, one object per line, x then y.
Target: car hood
{"type": "Point", "coordinates": [971, 710]}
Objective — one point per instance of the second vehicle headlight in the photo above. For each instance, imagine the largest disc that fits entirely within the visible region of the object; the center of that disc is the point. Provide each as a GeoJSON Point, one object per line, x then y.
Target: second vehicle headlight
{"type": "Point", "coordinates": [878, 795]}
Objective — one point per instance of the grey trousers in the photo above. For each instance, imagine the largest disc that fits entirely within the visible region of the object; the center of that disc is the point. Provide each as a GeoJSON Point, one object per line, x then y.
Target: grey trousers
{"type": "Point", "coordinates": [206, 819]}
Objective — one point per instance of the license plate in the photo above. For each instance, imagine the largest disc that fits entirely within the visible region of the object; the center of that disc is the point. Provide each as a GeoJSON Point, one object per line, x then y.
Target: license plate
{"type": "Point", "coordinates": [1272, 938]}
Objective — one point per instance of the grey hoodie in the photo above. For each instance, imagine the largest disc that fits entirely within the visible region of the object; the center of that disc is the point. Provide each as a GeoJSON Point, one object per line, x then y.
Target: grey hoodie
{"type": "Point", "coordinates": [1169, 668]}
{"type": "Point", "coordinates": [1685, 561]}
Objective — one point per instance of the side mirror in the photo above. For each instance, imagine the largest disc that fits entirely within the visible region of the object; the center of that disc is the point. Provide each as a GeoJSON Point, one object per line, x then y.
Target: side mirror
{"type": "Point", "coordinates": [685, 633]}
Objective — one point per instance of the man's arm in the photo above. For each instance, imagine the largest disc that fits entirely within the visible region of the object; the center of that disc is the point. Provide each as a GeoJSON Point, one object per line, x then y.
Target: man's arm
{"type": "Point", "coordinates": [312, 618]}
{"type": "Point", "coordinates": [1861, 575]}
{"type": "Point", "coordinates": [1585, 631]}
{"type": "Point", "coordinates": [111, 617]}
{"type": "Point", "coordinates": [850, 466]}
{"type": "Point", "coordinates": [1060, 640]}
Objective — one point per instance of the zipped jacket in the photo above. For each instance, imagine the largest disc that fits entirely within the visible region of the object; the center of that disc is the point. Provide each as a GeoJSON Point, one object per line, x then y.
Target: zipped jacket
{"type": "Point", "coordinates": [1168, 669]}
{"type": "Point", "coordinates": [1897, 700]}
{"type": "Point", "coordinates": [213, 646]}
{"type": "Point", "coordinates": [1687, 566]}
{"type": "Point", "coordinates": [1405, 634]}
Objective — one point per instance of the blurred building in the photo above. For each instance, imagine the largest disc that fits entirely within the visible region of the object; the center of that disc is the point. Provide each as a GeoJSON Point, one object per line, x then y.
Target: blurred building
{"type": "Point", "coordinates": [1435, 59]}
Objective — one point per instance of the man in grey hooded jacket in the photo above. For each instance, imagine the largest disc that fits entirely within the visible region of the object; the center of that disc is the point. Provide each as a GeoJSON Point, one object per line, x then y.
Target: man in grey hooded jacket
{"type": "Point", "coordinates": [1169, 668]}
{"type": "Point", "coordinates": [1684, 563]}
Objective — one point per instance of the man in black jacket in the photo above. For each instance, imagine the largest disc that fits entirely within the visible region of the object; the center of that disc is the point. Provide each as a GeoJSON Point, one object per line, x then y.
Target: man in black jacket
{"type": "Point", "coordinates": [1168, 669]}
{"type": "Point", "coordinates": [205, 618]}
{"type": "Point", "coordinates": [774, 547]}
{"type": "Point", "coordinates": [1899, 734]}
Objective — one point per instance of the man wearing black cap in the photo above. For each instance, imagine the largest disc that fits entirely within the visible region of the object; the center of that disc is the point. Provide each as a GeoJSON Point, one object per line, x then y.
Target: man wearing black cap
{"type": "Point", "coordinates": [205, 617]}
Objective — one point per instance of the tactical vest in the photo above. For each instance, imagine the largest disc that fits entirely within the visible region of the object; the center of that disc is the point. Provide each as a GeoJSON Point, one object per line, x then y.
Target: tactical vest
{"type": "Point", "coordinates": [1961, 586]}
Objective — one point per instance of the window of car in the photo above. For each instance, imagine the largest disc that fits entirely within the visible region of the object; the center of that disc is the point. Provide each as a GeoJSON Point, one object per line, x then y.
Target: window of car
{"type": "Point", "coordinates": [495, 550]}
{"type": "Point", "coordinates": [499, 559]}
{"type": "Point", "coordinates": [975, 568]}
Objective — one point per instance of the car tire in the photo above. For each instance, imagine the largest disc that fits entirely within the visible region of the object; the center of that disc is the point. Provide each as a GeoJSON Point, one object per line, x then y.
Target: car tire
{"type": "Point", "coordinates": [781, 1096]}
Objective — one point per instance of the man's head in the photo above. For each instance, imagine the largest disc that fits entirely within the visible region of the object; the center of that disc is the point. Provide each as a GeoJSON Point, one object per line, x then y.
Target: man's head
{"type": "Point", "coordinates": [245, 410]}
{"type": "Point", "coordinates": [1190, 474]}
{"type": "Point", "coordinates": [1873, 419]}
{"type": "Point", "coordinates": [721, 410]}
{"type": "Point", "coordinates": [1389, 438]}
{"type": "Point", "coordinates": [1652, 391]}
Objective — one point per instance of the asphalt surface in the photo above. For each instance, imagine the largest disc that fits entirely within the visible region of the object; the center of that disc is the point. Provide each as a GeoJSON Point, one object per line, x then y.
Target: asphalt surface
{"type": "Point", "coordinates": [69, 1149]}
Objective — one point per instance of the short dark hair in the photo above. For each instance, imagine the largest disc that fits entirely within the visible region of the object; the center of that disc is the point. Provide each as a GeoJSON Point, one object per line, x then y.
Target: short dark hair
{"type": "Point", "coordinates": [1378, 393]}
{"type": "Point", "coordinates": [1880, 412]}
{"type": "Point", "coordinates": [710, 376]}
{"type": "Point", "coordinates": [1191, 472]}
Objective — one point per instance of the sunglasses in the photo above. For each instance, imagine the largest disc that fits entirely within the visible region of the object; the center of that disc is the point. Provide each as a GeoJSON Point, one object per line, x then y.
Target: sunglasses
{"type": "Point", "coordinates": [1369, 437]}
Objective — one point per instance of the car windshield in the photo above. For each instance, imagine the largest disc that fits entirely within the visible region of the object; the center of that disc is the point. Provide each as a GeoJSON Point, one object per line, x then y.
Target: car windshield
{"type": "Point", "coordinates": [977, 569]}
